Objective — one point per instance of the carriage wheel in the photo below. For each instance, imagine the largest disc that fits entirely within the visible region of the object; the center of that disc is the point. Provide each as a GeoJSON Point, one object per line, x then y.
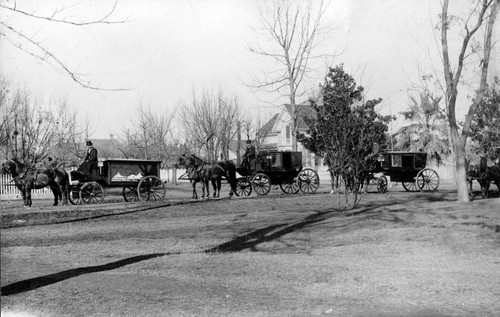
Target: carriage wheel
{"type": "Point", "coordinates": [382, 184]}
{"type": "Point", "coordinates": [427, 180]}
{"type": "Point", "coordinates": [410, 186]}
{"type": "Point", "coordinates": [243, 187]}
{"type": "Point", "coordinates": [308, 181]}
{"type": "Point", "coordinates": [261, 184]}
{"type": "Point", "coordinates": [151, 188]}
{"type": "Point", "coordinates": [74, 196]}
{"type": "Point", "coordinates": [92, 193]}
{"type": "Point", "coordinates": [290, 188]}
{"type": "Point", "coordinates": [130, 194]}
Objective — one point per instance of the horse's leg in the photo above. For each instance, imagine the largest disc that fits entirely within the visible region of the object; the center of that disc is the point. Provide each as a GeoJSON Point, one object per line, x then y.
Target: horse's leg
{"type": "Point", "coordinates": [195, 194]}
{"type": "Point", "coordinates": [214, 186]}
{"type": "Point", "coordinates": [55, 190]}
{"type": "Point", "coordinates": [207, 187]}
{"type": "Point", "coordinates": [28, 197]}
{"type": "Point", "coordinates": [219, 186]}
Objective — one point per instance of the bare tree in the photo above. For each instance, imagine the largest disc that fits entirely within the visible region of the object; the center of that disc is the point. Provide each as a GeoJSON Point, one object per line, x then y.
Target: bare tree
{"type": "Point", "coordinates": [30, 130]}
{"type": "Point", "coordinates": [296, 31]}
{"type": "Point", "coordinates": [35, 47]}
{"type": "Point", "coordinates": [482, 16]}
{"type": "Point", "coordinates": [210, 121]}
{"type": "Point", "coordinates": [151, 137]}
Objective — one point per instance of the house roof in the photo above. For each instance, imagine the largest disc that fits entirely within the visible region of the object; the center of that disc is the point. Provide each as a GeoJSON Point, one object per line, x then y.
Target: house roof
{"type": "Point", "coordinates": [302, 112]}
{"type": "Point", "coordinates": [268, 126]}
{"type": "Point", "coordinates": [107, 148]}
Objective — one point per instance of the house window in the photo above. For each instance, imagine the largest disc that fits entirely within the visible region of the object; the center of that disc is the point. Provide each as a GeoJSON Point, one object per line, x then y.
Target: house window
{"type": "Point", "coordinates": [287, 133]}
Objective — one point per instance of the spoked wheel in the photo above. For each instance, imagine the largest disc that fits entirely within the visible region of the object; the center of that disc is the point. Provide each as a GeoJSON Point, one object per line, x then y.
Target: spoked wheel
{"type": "Point", "coordinates": [261, 184]}
{"type": "Point", "coordinates": [427, 180]}
{"type": "Point", "coordinates": [290, 188]}
{"type": "Point", "coordinates": [244, 187]}
{"type": "Point", "coordinates": [74, 196]}
{"type": "Point", "coordinates": [151, 188]}
{"type": "Point", "coordinates": [130, 194]}
{"type": "Point", "coordinates": [382, 184]}
{"type": "Point", "coordinates": [410, 186]}
{"type": "Point", "coordinates": [308, 181]}
{"type": "Point", "coordinates": [92, 193]}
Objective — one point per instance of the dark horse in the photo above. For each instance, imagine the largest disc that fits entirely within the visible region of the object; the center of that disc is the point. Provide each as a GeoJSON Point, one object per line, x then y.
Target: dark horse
{"type": "Point", "coordinates": [204, 172]}
{"type": "Point", "coordinates": [484, 175]}
{"type": "Point", "coordinates": [28, 178]}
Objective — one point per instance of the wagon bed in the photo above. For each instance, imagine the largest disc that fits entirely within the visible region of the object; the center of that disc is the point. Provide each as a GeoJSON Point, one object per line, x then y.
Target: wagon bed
{"type": "Point", "coordinates": [140, 180]}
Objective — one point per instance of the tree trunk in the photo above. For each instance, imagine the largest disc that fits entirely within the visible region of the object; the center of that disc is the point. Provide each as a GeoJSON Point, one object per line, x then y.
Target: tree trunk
{"type": "Point", "coordinates": [460, 167]}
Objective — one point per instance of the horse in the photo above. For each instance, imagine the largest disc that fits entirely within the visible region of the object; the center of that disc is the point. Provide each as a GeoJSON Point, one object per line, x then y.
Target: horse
{"type": "Point", "coordinates": [204, 172]}
{"type": "Point", "coordinates": [27, 178]}
{"type": "Point", "coordinates": [490, 175]}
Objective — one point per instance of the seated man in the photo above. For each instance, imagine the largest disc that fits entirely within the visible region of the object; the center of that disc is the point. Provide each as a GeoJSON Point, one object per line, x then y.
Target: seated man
{"type": "Point", "coordinates": [249, 156]}
{"type": "Point", "coordinates": [89, 165]}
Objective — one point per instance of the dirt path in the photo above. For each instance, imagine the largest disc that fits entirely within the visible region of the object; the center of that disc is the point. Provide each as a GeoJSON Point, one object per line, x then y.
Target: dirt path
{"type": "Point", "coordinates": [399, 254]}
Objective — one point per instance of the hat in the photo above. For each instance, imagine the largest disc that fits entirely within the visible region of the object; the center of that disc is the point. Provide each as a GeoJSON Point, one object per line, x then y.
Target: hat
{"type": "Point", "coordinates": [248, 141]}
{"type": "Point", "coordinates": [89, 143]}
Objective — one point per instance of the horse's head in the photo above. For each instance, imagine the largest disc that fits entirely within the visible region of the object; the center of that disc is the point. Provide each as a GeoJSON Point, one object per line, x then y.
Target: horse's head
{"type": "Point", "coordinates": [183, 161]}
{"type": "Point", "coordinates": [10, 167]}
{"type": "Point", "coordinates": [195, 160]}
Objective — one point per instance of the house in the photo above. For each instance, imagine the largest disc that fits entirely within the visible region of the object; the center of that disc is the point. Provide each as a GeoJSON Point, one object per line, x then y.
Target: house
{"type": "Point", "coordinates": [276, 134]}
{"type": "Point", "coordinates": [108, 148]}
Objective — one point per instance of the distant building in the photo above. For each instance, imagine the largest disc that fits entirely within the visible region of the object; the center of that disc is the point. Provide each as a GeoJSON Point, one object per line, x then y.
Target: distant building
{"type": "Point", "coordinates": [276, 134]}
{"type": "Point", "coordinates": [108, 148]}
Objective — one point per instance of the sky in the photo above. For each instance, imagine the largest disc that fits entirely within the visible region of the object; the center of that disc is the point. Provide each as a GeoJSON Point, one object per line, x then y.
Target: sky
{"type": "Point", "coordinates": [167, 49]}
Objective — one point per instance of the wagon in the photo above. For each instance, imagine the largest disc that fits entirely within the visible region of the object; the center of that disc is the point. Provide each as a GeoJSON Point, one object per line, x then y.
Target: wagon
{"type": "Point", "coordinates": [277, 168]}
{"type": "Point", "coordinates": [139, 180]}
{"type": "Point", "coordinates": [408, 168]}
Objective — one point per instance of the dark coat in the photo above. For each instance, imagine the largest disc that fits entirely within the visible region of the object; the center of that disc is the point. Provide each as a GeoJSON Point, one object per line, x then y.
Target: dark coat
{"type": "Point", "coordinates": [91, 155]}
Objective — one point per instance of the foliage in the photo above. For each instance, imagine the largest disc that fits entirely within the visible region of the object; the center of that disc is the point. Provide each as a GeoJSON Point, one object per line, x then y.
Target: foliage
{"type": "Point", "coordinates": [427, 128]}
{"type": "Point", "coordinates": [344, 129]}
{"type": "Point", "coordinates": [485, 125]}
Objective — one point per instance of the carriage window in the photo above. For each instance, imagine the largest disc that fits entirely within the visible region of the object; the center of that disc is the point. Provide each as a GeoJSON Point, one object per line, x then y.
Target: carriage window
{"type": "Point", "coordinates": [420, 161]}
{"type": "Point", "coordinates": [396, 160]}
{"type": "Point", "coordinates": [276, 160]}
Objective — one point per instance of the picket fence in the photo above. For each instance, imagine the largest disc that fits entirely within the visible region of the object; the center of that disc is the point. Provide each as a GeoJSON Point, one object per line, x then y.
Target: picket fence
{"type": "Point", "coordinates": [8, 190]}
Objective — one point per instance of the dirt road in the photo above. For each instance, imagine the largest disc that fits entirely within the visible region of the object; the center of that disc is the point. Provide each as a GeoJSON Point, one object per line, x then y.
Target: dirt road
{"type": "Point", "coordinates": [399, 254]}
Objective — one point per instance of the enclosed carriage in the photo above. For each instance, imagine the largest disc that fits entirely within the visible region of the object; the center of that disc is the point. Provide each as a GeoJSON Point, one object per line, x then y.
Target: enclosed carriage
{"type": "Point", "coordinates": [139, 180]}
{"type": "Point", "coordinates": [407, 168]}
{"type": "Point", "coordinates": [278, 168]}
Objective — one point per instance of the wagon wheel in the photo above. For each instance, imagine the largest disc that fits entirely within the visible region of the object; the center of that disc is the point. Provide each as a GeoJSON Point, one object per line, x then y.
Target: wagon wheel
{"type": "Point", "coordinates": [92, 193]}
{"type": "Point", "coordinates": [261, 184]}
{"type": "Point", "coordinates": [151, 188]}
{"type": "Point", "coordinates": [382, 184]}
{"type": "Point", "coordinates": [308, 181]}
{"type": "Point", "coordinates": [410, 186]}
{"type": "Point", "coordinates": [427, 180]}
{"type": "Point", "coordinates": [290, 188]}
{"type": "Point", "coordinates": [130, 193]}
{"type": "Point", "coordinates": [243, 187]}
{"type": "Point", "coordinates": [74, 196]}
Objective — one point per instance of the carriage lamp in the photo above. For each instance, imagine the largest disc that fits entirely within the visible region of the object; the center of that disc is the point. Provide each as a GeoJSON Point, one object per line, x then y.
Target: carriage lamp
{"type": "Point", "coordinates": [381, 158]}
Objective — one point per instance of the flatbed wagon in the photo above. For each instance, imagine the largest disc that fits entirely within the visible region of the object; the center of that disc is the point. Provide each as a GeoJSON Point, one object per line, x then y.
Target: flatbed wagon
{"type": "Point", "coordinates": [278, 168]}
{"type": "Point", "coordinates": [139, 180]}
